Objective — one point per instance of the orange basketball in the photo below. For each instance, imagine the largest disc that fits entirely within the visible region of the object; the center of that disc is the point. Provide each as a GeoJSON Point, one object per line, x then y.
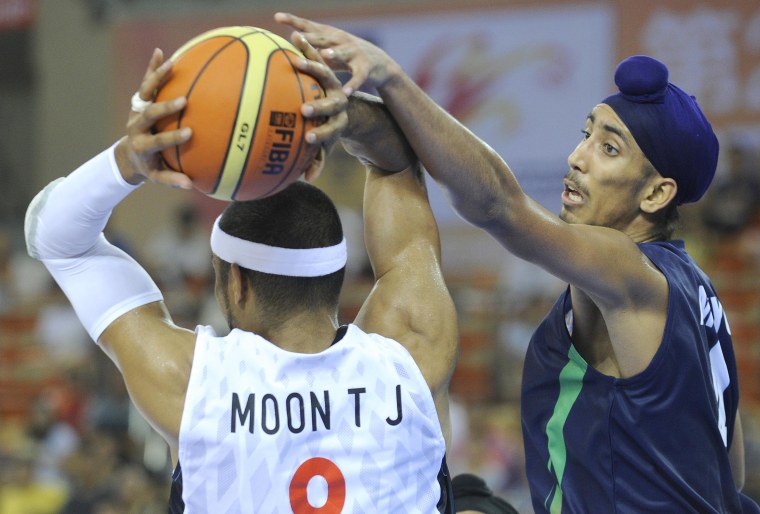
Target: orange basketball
{"type": "Point", "coordinates": [244, 99]}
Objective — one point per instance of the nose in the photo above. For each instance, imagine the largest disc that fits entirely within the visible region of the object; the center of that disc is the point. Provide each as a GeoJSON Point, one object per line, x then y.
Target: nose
{"type": "Point", "coordinates": [577, 158]}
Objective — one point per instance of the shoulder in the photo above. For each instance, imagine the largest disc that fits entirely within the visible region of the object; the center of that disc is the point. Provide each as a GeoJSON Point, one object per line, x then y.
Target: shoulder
{"type": "Point", "coordinates": [373, 343]}
{"type": "Point", "coordinates": [672, 260]}
{"type": "Point", "coordinates": [667, 252]}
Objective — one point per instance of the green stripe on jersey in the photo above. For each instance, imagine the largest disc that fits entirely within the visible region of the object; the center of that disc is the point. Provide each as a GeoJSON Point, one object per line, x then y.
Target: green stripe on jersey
{"type": "Point", "coordinates": [570, 384]}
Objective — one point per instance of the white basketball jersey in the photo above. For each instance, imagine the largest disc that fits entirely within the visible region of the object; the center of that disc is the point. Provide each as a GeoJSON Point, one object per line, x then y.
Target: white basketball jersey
{"type": "Point", "coordinates": [351, 429]}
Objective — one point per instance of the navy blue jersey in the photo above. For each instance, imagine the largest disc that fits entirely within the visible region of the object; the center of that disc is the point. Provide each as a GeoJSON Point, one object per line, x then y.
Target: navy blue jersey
{"type": "Point", "coordinates": [654, 442]}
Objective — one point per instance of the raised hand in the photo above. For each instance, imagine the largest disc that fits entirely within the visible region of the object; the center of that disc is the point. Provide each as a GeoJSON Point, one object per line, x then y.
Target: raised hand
{"type": "Point", "coordinates": [331, 108]}
{"type": "Point", "coordinates": [369, 65]}
{"type": "Point", "coordinates": [138, 152]}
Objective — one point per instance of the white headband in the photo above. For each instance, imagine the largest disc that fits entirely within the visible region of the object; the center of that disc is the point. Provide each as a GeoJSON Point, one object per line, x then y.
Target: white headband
{"type": "Point", "coordinates": [291, 262]}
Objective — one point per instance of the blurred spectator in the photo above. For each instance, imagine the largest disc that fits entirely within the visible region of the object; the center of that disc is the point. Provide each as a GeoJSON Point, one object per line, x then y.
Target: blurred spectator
{"type": "Point", "coordinates": [139, 491]}
{"type": "Point", "coordinates": [60, 331]}
{"type": "Point", "coordinates": [20, 493]}
{"type": "Point", "coordinates": [109, 405]}
{"type": "Point", "coordinates": [180, 251]}
{"type": "Point", "coordinates": [179, 259]}
{"type": "Point", "coordinates": [495, 448]}
{"type": "Point", "coordinates": [54, 441]}
{"type": "Point", "coordinates": [92, 469]}
{"type": "Point", "coordinates": [733, 201]}
{"type": "Point", "coordinates": [24, 282]}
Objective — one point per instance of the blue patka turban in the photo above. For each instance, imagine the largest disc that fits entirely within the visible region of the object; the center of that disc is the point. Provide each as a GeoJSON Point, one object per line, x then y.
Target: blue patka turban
{"type": "Point", "coordinates": [667, 124]}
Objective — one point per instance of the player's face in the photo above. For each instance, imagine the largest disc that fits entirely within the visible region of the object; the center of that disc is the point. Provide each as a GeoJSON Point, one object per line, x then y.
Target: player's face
{"type": "Point", "coordinates": [607, 174]}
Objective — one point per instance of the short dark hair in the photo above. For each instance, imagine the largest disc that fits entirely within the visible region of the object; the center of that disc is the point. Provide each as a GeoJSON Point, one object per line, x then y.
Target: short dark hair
{"type": "Point", "coordinates": [669, 221]}
{"type": "Point", "coordinates": [300, 216]}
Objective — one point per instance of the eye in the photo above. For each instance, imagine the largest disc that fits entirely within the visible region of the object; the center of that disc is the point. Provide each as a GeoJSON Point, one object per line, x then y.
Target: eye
{"type": "Point", "coordinates": [611, 150]}
{"type": "Point", "coordinates": [586, 134]}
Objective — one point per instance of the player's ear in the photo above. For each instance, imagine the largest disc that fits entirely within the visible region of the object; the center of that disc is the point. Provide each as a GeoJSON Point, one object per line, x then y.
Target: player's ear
{"type": "Point", "coordinates": [238, 285]}
{"type": "Point", "coordinates": [317, 165]}
{"type": "Point", "coordinates": [661, 192]}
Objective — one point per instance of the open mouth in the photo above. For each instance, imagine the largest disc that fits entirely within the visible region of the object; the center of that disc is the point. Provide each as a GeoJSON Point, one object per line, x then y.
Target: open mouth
{"type": "Point", "coordinates": [572, 193]}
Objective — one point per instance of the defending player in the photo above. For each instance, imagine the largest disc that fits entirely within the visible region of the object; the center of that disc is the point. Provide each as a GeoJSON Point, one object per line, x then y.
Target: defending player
{"type": "Point", "coordinates": [630, 394]}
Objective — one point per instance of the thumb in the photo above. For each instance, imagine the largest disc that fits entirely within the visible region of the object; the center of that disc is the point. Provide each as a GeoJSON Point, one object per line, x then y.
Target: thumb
{"type": "Point", "coordinates": [315, 168]}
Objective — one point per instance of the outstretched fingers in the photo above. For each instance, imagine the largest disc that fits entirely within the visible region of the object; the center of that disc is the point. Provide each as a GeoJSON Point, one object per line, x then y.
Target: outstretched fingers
{"type": "Point", "coordinates": [315, 66]}
{"type": "Point", "coordinates": [331, 109]}
{"type": "Point", "coordinates": [342, 57]}
{"type": "Point", "coordinates": [157, 73]}
{"type": "Point", "coordinates": [306, 48]}
{"type": "Point", "coordinates": [368, 64]}
{"type": "Point", "coordinates": [318, 34]}
{"type": "Point", "coordinates": [331, 58]}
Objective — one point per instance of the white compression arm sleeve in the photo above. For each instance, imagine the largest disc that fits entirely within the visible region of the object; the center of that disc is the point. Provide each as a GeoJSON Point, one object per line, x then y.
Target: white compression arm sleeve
{"type": "Point", "coordinates": [64, 229]}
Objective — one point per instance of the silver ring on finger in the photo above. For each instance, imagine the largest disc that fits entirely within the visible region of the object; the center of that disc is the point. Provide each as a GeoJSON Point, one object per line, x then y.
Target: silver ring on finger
{"type": "Point", "coordinates": [138, 104]}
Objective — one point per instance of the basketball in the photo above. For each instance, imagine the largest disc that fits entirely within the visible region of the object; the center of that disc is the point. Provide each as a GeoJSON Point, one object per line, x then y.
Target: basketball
{"type": "Point", "coordinates": [244, 98]}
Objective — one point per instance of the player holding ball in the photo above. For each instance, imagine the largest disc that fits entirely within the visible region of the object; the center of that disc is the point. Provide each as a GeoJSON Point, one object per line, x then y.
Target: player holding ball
{"type": "Point", "coordinates": [291, 411]}
{"type": "Point", "coordinates": [244, 99]}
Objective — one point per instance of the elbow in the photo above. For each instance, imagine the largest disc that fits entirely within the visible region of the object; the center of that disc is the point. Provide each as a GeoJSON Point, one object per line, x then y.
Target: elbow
{"type": "Point", "coordinates": [32, 225]}
{"type": "Point", "coordinates": [39, 236]}
{"type": "Point", "coordinates": [46, 233]}
{"type": "Point", "coordinates": [477, 209]}
{"type": "Point", "coordinates": [492, 213]}
{"type": "Point", "coordinates": [496, 201]}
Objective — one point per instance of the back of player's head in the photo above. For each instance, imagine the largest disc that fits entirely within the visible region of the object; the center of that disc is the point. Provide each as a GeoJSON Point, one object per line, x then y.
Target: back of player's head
{"type": "Point", "coordinates": [667, 124]}
{"type": "Point", "coordinates": [300, 216]}
{"type": "Point", "coordinates": [290, 246]}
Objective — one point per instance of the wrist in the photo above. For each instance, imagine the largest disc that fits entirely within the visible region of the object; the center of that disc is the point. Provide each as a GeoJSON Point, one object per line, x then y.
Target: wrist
{"type": "Point", "coordinates": [123, 165]}
{"type": "Point", "coordinates": [364, 110]}
{"type": "Point", "coordinates": [394, 76]}
{"type": "Point", "coordinates": [373, 136]}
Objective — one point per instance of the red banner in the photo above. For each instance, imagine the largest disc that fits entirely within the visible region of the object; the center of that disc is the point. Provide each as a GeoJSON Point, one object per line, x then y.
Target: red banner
{"type": "Point", "coordinates": [711, 47]}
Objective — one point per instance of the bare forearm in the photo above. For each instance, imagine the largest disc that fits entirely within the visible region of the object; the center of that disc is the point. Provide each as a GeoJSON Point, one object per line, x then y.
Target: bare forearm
{"type": "Point", "coordinates": [480, 183]}
{"type": "Point", "coordinates": [373, 136]}
{"type": "Point", "coordinates": [399, 226]}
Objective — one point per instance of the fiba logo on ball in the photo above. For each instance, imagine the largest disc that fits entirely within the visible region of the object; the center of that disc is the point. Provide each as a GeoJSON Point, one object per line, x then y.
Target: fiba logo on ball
{"type": "Point", "coordinates": [279, 153]}
{"type": "Point", "coordinates": [244, 98]}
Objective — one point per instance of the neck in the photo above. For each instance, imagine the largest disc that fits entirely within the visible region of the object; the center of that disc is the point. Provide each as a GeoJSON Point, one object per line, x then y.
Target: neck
{"type": "Point", "coordinates": [645, 236]}
{"type": "Point", "coordinates": [305, 332]}
{"type": "Point", "coordinates": [642, 231]}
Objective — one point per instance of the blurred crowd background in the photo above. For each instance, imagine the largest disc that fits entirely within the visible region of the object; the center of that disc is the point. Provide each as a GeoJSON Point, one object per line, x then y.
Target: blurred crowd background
{"type": "Point", "coordinates": [70, 440]}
